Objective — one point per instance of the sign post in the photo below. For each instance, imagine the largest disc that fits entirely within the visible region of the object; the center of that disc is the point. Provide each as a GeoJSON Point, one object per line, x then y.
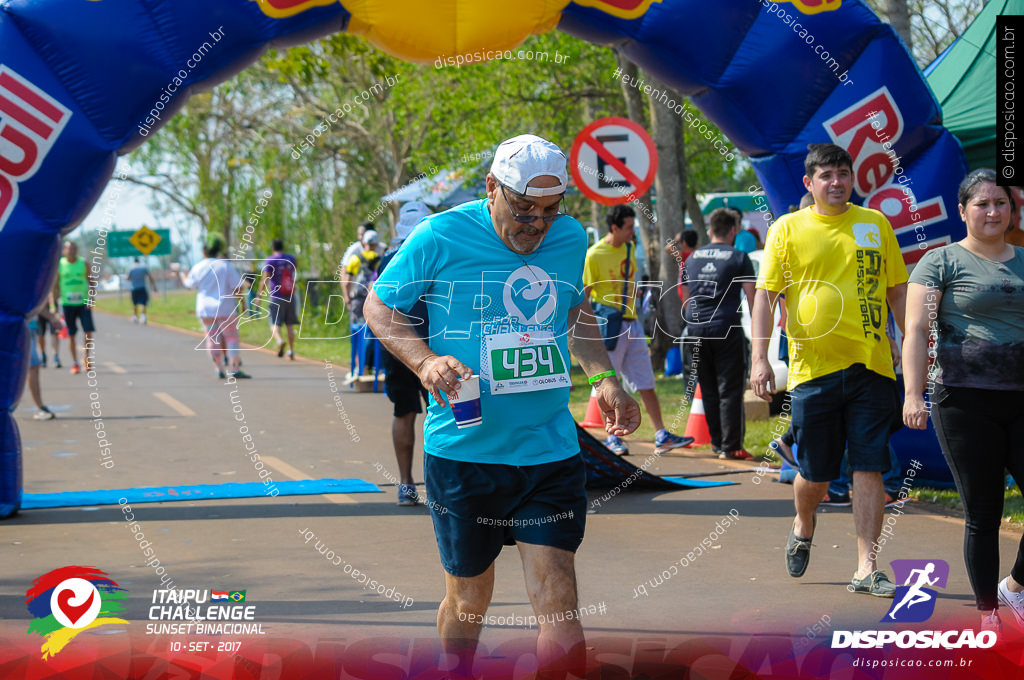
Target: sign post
{"type": "Point", "coordinates": [613, 160]}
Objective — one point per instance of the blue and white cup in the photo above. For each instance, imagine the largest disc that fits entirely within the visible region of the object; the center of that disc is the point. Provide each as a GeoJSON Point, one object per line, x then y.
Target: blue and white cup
{"type": "Point", "coordinates": [466, 403]}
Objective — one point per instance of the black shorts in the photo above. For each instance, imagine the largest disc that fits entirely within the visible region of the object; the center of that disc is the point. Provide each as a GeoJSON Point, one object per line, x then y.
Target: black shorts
{"type": "Point", "coordinates": [402, 386]}
{"type": "Point", "coordinates": [75, 313]}
{"type": "Point", "coordinates": [282, 312]}
{"type": "Point", "coordinates": [140, 296]}
{"type": "Point", "coordinates": [852, 410]}
{"type": "Point", "coordinates": [479, 507]}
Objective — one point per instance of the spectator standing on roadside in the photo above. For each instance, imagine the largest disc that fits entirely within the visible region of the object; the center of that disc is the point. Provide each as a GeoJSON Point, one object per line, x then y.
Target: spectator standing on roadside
{"type": "Point", "coordinates": [401, 384]}
{"type": "Point", "coordinates": [354, 247]}
{"type": "Point", "coordinates": [840, 267]}
{"type": "Point", "coordinates": [75, 288]}
{"type": "Point", "coordinates": [680, 249]}
{"type": "Point", "coordinates": [716, 276]}
{"type": "Point", "coordinates": [140, 296]}
{"type": "Point", "coordinates": [279, 280]}
{"type": "Point", "coordinates": [744, 241]}
{"type": "Point", "coordinates": [609, 279]}
{"type": "Point", "coordinates": [361, 270]}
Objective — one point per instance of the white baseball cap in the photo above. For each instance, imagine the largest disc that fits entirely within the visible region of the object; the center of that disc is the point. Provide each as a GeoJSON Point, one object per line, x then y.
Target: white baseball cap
{"type": "Point", "coordinates": [408, 217]}
{"type": "Point", "coordinates": [518, 161]}
{"type": "Point", "coordinates": [370, 237]}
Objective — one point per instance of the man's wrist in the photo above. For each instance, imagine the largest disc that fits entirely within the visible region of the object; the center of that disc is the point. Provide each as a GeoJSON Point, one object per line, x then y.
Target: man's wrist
{"type": "Point", "coordinates": [422, 361]}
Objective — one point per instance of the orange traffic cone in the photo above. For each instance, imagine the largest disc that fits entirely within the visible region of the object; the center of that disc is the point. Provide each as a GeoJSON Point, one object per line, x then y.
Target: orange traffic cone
{"type": "Point", "coordinates": [697, 424]}
{"type": "Point", "coordinates": [593, 417]}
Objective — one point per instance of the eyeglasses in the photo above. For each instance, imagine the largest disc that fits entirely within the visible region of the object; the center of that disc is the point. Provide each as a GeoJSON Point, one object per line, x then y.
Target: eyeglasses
{"type": "Point", "coordinates": [527, 218]}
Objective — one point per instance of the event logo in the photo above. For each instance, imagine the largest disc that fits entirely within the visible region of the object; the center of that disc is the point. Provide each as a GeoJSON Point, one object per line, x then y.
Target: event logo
{"type": "Point", "coordinates": [69, 600]}
{"type": "Point", "coordinates": [624, 9]}
{"type": "Point", "coordinates": [913, 601]}
{"type": "Point", "coordinates": [815, 6]}
{"type": "Point", "coordinates": [30, 123]}
{"type": "Point", "coordinates": [529, 288]}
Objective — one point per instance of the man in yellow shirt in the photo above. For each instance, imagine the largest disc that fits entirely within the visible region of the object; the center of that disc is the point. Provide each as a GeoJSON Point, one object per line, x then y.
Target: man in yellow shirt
{"type": "Point", "coordinates": [610, 269]}
{"type": "Point", "coordinates": [841, 271]}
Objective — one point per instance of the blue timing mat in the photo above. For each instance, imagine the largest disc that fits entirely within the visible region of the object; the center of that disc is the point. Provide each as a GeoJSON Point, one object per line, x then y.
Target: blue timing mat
{"type": "Point", "coordinates": [193, 492]}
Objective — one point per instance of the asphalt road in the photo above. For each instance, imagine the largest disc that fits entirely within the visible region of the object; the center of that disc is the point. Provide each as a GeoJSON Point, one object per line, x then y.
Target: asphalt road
{"type": "Point", "coordinates": [170, 421]}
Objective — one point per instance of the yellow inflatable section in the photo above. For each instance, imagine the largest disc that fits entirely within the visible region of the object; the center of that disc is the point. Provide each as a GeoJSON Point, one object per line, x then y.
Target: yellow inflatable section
{"type": "Point", "coordinates": [419, 31]}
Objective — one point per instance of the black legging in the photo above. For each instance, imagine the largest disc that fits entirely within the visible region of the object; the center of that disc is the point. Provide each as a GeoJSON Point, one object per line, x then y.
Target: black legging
{"type": "Point", "coordinates": [982, 435]}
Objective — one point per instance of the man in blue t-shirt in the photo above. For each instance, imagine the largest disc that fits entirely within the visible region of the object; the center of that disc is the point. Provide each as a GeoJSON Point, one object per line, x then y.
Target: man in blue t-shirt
{"type": "Point", "coordinates": [713, 279]}
{"type": "Point", "coordinates": [502, 278]}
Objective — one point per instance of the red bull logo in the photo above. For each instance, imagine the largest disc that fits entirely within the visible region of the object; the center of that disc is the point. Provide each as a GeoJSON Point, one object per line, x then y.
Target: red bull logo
{"type": "Point", "coordinates": [624, 9]}
{"type": "Point", "coordinates": [281, 9]}
{"type": "Point", "coordinates": [30, 122]}
{"type": "Point", "coordinates": [868, 130]}
{"type": "Point", "coordinates": [815, 6]}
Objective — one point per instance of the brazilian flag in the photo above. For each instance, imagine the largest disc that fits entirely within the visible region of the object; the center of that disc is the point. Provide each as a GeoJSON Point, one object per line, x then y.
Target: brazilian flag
{"type": "Point", "coordinates": [237, 596]}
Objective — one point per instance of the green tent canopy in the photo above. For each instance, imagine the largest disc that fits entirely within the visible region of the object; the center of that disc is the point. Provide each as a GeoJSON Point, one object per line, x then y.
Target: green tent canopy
{"type": "Point", "coordinates": [963, 79]}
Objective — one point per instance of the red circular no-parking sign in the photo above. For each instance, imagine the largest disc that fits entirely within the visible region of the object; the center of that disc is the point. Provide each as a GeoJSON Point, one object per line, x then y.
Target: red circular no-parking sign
{"type": "Point", "coordinates": [613, 160]}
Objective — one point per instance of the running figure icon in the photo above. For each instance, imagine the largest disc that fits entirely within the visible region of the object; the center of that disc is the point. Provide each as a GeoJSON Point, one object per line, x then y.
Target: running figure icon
{"type": "Point", "coordinates": [915, 594]}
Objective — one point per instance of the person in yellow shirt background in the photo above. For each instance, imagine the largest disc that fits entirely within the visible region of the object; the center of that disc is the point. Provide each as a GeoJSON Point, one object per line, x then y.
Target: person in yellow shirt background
{"type": "Point", "coordinates": [361, 271]}
{"type": "Point", "coordinates": [609, 280]}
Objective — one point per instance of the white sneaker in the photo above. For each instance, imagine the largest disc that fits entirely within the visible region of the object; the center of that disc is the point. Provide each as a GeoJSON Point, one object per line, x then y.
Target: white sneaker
{"type": "Point", "coordinates": [1014, 601]}
{"type": "Point", "coordinates": [135, 319]}
{"type": "Point", "coordinates": [44, 414]}
{"type": "Point", "coordinates": [143, 318]}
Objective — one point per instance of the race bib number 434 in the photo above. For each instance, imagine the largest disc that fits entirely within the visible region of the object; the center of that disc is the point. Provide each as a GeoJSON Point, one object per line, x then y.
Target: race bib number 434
{"type": "Point", "coordinates": [525, 362]}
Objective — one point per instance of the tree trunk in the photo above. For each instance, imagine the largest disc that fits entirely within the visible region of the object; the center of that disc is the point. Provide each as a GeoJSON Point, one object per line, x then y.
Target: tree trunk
{"type": "Point", "coordinates": [899, 19]}
{"type": "Point", "coordinates": [696, 217]}
{"type": "Point", "coordinates": [670, 183]}
{"type": "Point", "coordinates": [635, 111]}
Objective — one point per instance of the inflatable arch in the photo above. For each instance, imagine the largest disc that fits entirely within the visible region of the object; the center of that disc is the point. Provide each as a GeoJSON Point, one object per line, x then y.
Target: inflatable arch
{"type": "Point", "coordinates": [84, 81]}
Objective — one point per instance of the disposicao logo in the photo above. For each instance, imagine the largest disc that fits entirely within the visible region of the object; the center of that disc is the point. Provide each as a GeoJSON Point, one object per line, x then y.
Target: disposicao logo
{"type": "Point", "coordinates": [913, 603]}
{"type": "Point", "coordinates": [69, 600]}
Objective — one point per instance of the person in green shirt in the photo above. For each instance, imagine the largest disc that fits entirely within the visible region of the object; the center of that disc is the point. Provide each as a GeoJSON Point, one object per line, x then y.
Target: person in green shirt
{"type": "Point", "coordinates": [74, 289]}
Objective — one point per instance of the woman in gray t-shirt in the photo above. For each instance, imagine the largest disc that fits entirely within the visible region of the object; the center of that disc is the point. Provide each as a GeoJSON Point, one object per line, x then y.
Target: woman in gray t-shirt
{"type": "Point", "coordinates": [970, 296]}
